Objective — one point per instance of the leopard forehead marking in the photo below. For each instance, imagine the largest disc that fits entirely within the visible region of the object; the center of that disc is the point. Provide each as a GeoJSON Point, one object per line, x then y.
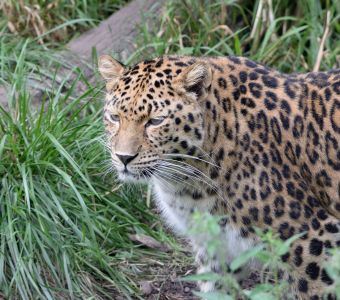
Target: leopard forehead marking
{"type": "Point", "coordinates": [259, 147]}
{"type": "Point", "coordinates": [144, 89]}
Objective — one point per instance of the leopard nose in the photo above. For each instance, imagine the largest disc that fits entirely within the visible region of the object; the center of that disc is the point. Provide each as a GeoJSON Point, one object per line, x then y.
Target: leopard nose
{"type": "Point", "coordinates": [125, 159]}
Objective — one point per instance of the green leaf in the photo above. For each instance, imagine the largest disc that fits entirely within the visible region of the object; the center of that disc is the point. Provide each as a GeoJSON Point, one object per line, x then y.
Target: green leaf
{"type": "Point", "coordinates": [210, 276]}
{"type": "Point", "coordinates": [213, 296]}
{"type": "Point", "coordinates": [261, 292]}
{"type": "Point", "coordinates": [245, 256]}
{"type": "Point", "coordinates": [262, 296]}
{"type": "Point", "coordinates": [2, 145]}
{"type": "Point", "coordinates": [186, 51]}
{"type": "Point", "coordinates": [237, 45]}
{"type": "Point", "coordinates": [68, 157]}
{"type": "Point", "coordinates": [264, 256]}
{"type": "Point", "coordinates": [284, 248]}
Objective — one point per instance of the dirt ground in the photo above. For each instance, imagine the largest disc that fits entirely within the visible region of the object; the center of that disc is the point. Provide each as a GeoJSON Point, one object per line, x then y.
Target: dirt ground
{"type": "Point", "coordinates": [165, 282]}
{"type": "Point", "coordinates": [169, 286]}
{"type": "Point", "coordinates": [163, 279]}
{"type": "Point", "coordinates": [172, 288]}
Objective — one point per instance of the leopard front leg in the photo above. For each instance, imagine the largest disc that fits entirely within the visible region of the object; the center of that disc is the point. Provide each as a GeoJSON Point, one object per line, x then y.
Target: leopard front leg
{"type": "Point", "coordinates": [232, 244]}
{"type": "Point", "coordinates": [205, 265]}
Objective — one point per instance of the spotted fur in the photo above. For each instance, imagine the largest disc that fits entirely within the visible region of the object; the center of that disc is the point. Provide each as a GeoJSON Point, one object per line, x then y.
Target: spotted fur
{"type": "Point", "coordinates": [234, 138]}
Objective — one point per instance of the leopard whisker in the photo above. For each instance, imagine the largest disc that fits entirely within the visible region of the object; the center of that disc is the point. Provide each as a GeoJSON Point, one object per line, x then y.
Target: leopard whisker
{"type": "Point", "coordinates": [174, 177]}
{"type": "Point", "coordinates": [213, 187]}
{"type": "Point", "coordinates": [192, 157]}
{"type": "Point", "coordinates": [194, 169]}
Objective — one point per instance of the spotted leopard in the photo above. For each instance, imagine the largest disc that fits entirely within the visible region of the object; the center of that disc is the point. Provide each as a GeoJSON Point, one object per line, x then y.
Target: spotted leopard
{"type": "Point", "coordinates": [234, 138]}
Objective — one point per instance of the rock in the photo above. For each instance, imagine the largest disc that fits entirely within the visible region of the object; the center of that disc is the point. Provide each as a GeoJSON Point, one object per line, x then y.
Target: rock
{"type": "Point", "coordinates": [146, 288]}
{"type": "Point", "coordinates": [186, 289]}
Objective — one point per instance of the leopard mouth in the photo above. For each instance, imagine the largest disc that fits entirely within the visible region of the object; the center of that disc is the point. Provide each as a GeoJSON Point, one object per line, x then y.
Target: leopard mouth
{"type": "Point", "coordinates": [139, 176]}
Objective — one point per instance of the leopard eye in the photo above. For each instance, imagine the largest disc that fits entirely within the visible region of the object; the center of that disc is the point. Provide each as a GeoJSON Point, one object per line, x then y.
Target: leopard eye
{"type": "Point", "coordinates": [155, 121]}
{"type": "Point", "coordinates": [114, 118]}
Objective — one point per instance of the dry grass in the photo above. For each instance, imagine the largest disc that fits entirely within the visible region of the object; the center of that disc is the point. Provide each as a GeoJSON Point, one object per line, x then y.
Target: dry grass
{"type": "Point", "coordinates": [54, 21]}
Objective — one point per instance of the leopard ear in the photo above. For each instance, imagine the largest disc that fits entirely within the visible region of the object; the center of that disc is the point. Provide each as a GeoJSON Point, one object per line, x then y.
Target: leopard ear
{"type": "Point", "coordinates": [110, 69]}
{"type": "Point", "coordinates": [195, 79]}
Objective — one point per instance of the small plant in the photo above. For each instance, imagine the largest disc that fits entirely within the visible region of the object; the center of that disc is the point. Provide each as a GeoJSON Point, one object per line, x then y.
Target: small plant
{"type": "Point", "coordinates": [207, 229]}
{"type": "Point", "coordinates": [333, 270]}
{"type": "Point", "coordinates": [268, 252]}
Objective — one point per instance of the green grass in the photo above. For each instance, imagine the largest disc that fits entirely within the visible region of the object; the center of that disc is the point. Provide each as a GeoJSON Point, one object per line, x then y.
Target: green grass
{"type": "Point", "coordinates": [285, 37]}
{"type": "Point", "coordinates": [54, 21]}
{"type": "Point", "coordinates": [64, 221]}
{"type": "Point", "coordinates": [64, 224]}
{"type": "Point", "coordinates": [43, 27]}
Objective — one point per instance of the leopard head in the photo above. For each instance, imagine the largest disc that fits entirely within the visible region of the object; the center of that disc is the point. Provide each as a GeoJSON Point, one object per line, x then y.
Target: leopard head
{"type": "Point", "coordinates": [153, 115]}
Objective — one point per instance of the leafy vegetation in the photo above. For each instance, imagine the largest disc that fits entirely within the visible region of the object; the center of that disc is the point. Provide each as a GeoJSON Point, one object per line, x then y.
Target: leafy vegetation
{"type": "Point", "coordinates": [64, 221]}
{"type": "Point", "coordinates": [63, 224]}
{"type": "Point", "coordinates": [40, 28]}
{"type": "Point", "coordinates": [268, 252]}
{"type": "Point", "coordinates": [54, 21]}
{"type": "Point", "coordinates": [282, 34]}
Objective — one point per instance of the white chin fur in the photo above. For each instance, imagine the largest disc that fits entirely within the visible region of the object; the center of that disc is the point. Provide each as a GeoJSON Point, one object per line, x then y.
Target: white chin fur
{"type": "Point", "coordinates": [130, 178]}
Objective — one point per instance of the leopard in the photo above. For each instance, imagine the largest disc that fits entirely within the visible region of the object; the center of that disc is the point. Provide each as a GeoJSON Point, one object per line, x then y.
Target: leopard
{"type": "Point", "coordinates": [235, 139]}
